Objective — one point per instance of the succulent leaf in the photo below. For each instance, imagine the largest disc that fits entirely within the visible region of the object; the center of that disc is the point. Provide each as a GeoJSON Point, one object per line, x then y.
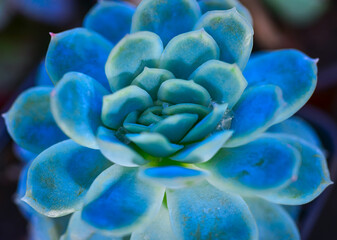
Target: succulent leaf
{"type": "Point", "coordinates": [154, 143]}
{"type": "Point", "coordinates": [211, 5]}
{"type": "Point", "coordinates": [79, 229]}
{"type": "Point", "coordinates": [296, 126]}
{"type": "Point", "coordinates": [110, 19]}
{"type": "Point", "coordinates": [159, 228]}
{"type": "Point", "coordinates": [151, 79]}
{"type": "Point", "coordinates": [255, 112]}
{"type": "Point", "coordinates": [207, 125]}
{"type": "Point", "coordinates": [224, 82]}
{"type": "Point", "coordinates": [204, 150]}
{"type": "Point", "coordinates": [130, 56]}
{"type": "Point", "coordinates": [177, 91]}
{"type": "Point", "coordinates": [313, 176]}
{"type": "Point", "coordinates": [233, 34]}
{"type": "Point", "coordinates": [119, 203]}
{"type": "Point", "coordinates": [76, 104]}
{"type": "Point", "coordinates": [187, 51]}
{"type": "Point", "coordinates": [255, 166]}
{"type": "Point", "coordinates": [60, 177]}
{"type": "Point", "coordinates": [215, 214]}
{"type": "Point", "coordinates": [116, 151]}
{"type": "Point", "coordinates": [118, 105]}
{"type": "Point", "coordinates": [78, 50]}
{"type": "Point", "coordinates": [272, 221]}
{"type": "Point", "coordinates": [30, 121]}
{"type": "Point", "coordinates": [291, 70]}
{"type": "Point", "coordinates": [156, 16]}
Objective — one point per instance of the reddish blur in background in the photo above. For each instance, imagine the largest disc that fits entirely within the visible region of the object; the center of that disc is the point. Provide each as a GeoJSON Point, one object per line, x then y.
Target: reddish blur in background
{"type": "Point", "coordinates": [24, 40]}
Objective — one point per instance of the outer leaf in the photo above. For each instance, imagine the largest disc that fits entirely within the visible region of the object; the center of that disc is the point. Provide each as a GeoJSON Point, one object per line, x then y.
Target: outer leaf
{"type": "Point", "coordinates": [76, 104]}
{"type": "Point", "coordinates": [312, 179]}
{"type": "Point", "coordinates": [233, 34]}
{"type": "Point", "coordinates": [291, 70]}
{"type": "Point", "coordinates": [129, 57]}
{"type": "Point", "coordinates": [215, 214]}
{"type": "Point", "coordinates": [110, 19]}
{"type": "Point", "coordinates": [224, 82]}
{"type": "Point", "coordinates": [159, 228]}
{"type": "Point", "coordinates": [45, 228]}
{"type": "Point", "coordinates": [211, 5]}
{"type": "Point", "coordinates": [187, 51]}
{"type": "Point", "coordinates": [254, 113]}
{"type": "Point", "coordinates": [59, 178]}
{"type": "Point", "coordinates": [119, 203]}
{"type": "Point", "coordinates": [30, 122]}
{"type": "Point", "coordinates": [254, 167]}
{"type": "Point", "coordinates": [165, 18]}
{"type": "Point", "coordinates": [273, 222]}
{"type": "Point", "coordinates": [297, 127]}
{"type": "Point", "coordinates": [79, 230]}
{"type": "Point", "coordinates": [78, 50]}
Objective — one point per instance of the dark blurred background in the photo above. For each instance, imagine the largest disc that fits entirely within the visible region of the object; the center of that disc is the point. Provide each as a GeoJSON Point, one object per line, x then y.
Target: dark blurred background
{"type": "Point", "coordinates": [24, 39]}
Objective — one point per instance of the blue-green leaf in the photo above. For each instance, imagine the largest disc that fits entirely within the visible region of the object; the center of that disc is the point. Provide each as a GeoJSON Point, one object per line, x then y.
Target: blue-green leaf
{"type": "Point", "coordinates": [110, 19]}
{"type": "Point", "coordinates": [291, 70]}
{"type": "Point", "coordinates": [60, 176]}
{"type": "Point", "coordinates": [176, 126]}
{"type": "Point", "coordinates": [255, 112]}
{"type": "Point", "coordinates": [200, 110]}
{"type": "Point", "coordinates": [30, 121]}
{"type": "Point", "coordinates": [166, 18]}
{"type": "Point", "coordinates": [42, 227]}
{"type": "Point", "coordinates": [78, 229]}
{"type": "Point", "coordinates": [76, 104]}
{"type": "Point", "coordinates": [118, 105]}
{"type": "Point", "coordinates": [273, 222]}
{"type": "Point", "coordinates": [186, 52]}
{"type": "Point", "coordinates": [232, 32]}
{"type": "Point", "coordinates": [177, 91]}
{"type": "Point", "coordinates": [159, 228]}
{"type": "Point", "coordinates": [204, 212]}
{"type": "Point", "coordinates": [313, 176]}
{"type": "Point", "coordinates": [151, 79]}
{"type": "Point", "coordinates": [224, 82]}
{"type": "Point", "coordinates": [211, 5]}
{"type": "Point", "coordinates": [255, 166]}
{"type": "Point", "coordinates": [78, 50]}
{"type": "Point", "coordinates": [297, 127]}
{"type": "Point", "coordinates": [204, 150]}
{"type": "Point", "coordinates": [207, 125]}
{"type": "Point", "coordinates": [154, 143]}
{"type": "Point", "coordinates": [119, 203]}
{"type": "Point", "coordinates": [130, 56]}
{"type": "Point", "coordinates": [116, 151]}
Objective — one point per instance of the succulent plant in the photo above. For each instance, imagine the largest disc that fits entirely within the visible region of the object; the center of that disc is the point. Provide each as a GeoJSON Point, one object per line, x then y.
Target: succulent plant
{"type": "Point", "coordinates": [165, 134]}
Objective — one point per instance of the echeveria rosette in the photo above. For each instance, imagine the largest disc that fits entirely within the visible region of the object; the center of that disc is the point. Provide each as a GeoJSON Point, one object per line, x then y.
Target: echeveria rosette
{"type": "Point", "coordinates": [170, 114]}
